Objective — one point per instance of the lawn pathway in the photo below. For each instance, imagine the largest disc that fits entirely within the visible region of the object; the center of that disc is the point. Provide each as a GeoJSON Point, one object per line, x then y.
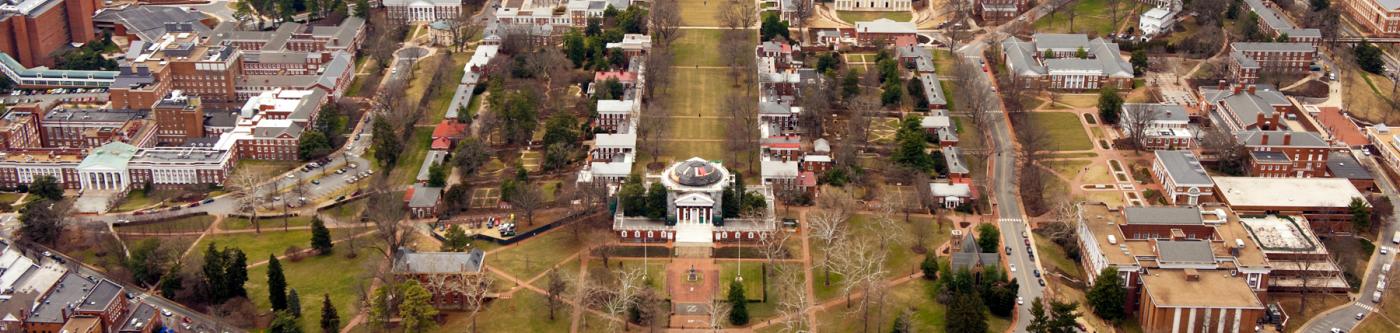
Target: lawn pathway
{"type": "Point", "coordinates": [282, 257]}
{"type": "Point", "coordinates": [807, 267]}
{"type": "Point", "coordinates": [839, 300]}
{"type": "Point", "coordinates": [576, 317]}
{"type": "Point", "coordinates": [213, 227]}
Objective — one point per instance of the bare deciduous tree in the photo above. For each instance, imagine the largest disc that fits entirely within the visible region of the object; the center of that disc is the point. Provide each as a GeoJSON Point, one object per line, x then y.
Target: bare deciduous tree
{"type": "Point", "coordinates": [665, 22]}
{"type": "Point", "coordinates": [1136, 119]}
{"type": "Point", "coordinates": [828, 224]}
{"type": "Point", "coordinates": [385, 209]}
{"type": "Point", "coordinates": [246, 181]}
{"type": "Point", "coordinates": [528, 199]}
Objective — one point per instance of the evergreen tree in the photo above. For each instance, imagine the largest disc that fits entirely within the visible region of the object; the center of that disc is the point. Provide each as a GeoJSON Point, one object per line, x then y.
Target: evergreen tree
{"type": "Point", "coordinates": [294, 303]}
{"type": "Point", "coordinates": [171, 282]}
{"type": "Point", "coordinates": [214, 274]}
{"type": "Point", "coordinates": [457, 240]}
{"type": "Point", "coordinates": [656, 201]}
{"type": "Point", "coordinates": [236, 271]}
{"type": "Point", "coordinates": [930, 266]}
{"type": "Point", "coordinates": [320, 236]}
{"type": "Point", "coordinates": [738, 304]}
{"type": "Point", "coordinates": [632, 197]}
{"type": "Point", "coordinates": [965, 314]}
{"type": "Point", "coordinates": [1109, 105]}
{"type": "Point", "coordinates": [988, 237]}
{"type": "Point", "coordinates": [902, 324]}
{"type": "Point", "coordinates": [330, 320]}
{"type": "Point", "coordinates": [276, 284]}
{"type": "Point", "coordinates": [284, 322]}
{"type": "Point", "coordinates": [362, 9]}
{"type": "Point", "coordinates": [416, 309]}
{"type": "Point", "coordinates": [1360, 214]}
{"type": "Point", "coordinates": [46, 187]}
{"type": "Point", "coordinates": [1107, 296]}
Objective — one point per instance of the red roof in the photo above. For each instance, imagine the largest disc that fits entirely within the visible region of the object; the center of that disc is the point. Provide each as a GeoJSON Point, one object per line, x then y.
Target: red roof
{"type": "Point", "coordinates": [783, 145]}
{"type": "Point", "coordinates": [807, 179]}
{"type": "Point", "coordinates": [408, 194]}
{"type": "Point", "coordinates": [450, 129]}
{"type": "Point", "coordinates": [620, 76]}
{"type": "Point", "coordinates": [442, 144]}
{"type": "Point", "coordinates": [1342, 128]}
{"type": "Point", "coordinates": [905, 40]}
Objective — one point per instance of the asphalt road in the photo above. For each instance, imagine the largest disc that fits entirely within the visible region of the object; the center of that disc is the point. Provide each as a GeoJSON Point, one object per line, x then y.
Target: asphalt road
{"type": "Point", "coordinates": [1008, 205]}
{"type": "Point", "coordinates": [1345, 318]}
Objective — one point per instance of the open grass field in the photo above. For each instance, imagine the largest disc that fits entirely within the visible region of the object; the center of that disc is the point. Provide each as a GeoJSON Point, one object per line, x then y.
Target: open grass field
{"type": "Point", "coordinates": [1065, 130]}
{"type": "Point", "coordinates": [134, 200]}
{"type": "Point", "coordinates": [310, 279]}
{"type": "Point", "coordinates": [698, 47]}
{"type": "Point", "coordinates": [700, 13]}
{"type": "Point", "coordinates": [525, 312]}
{"type": "Point", "coordinates": [536, 255]}
{"type": "Point", "coordinates": [1366, 94]}
{"type": "Point", "coordinates": [698, 126]}
{"type": "Point", "coordinates": [264, 168]}
{"type": "Point", "coordinates": [915, 295]}
{"type": "Point", "coordinates": [1094, 17]}
{"type": "Point", "coordinates": [415, 150]}
{"type": "Point", "coordinates": [853, 16]}
{"type": "Point", "coordinates": [655, 270]}
{"type": "Point", "coordinates": [180, 225]}
{"type": "Point", "coordinates": [1068, 168]}
{"type": "Point", "coordinates": [901, 259]}
{"type": "Point", "coordinates": [235, 223]}
{"type": "Point", "coordinates": [1055, 256]}
{"type": "Point", "coordinates": [270, 241]}
{"type": "Point", "coordinates": [349, 212]}
{"type": "Point", "coordinates": [752, 273]}
{"type": "Point", "coordinates": [440, 96]}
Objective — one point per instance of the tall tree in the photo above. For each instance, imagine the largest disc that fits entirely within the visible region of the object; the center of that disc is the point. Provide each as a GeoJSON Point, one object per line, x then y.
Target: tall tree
{"type": "Point", "coordinates": [456, 239]}
{"type": "Point", "coordinates": [42, 221]}
{"type": "Point", "coordinates": [294, 303]}
{"type": "Point", "coordinates": [988, 237]}
{"type": "Point", "coordinates": [46, 187]}
{"type": "Point", "coordinates": [417, 308]}
{"type": "Point", "coordinates": [554, 289]}
{"type": "Point", "coordinates": [1109, 105]}
{"type": "Point", "coordinates": [330, 320]}
{"type": "Point", "coordinates": [738, 304]}
{"type": "Point", "coordinates": [276, 284]}
{"type": "Point", "coordinates": [1107, 296]}
{"type": "Point", "coordinates": [1360, 214]}
{"type": "Point", "coordinates": [283, 322]}
{"type": "Point", "coordinates": [320, 236]}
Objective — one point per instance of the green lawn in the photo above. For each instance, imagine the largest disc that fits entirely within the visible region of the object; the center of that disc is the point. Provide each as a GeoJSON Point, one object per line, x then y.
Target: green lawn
{"type": "Point", "coordinates": [901, 259]}
{"type": "Point", "coordinates": [655, 270]}
{"type": "Point", "coordinates": [1068, 168]}
{"type": "Point", "coordinates": [853, 16]}
{"type": "Point", "coordinates": [346, 212]}
{"type": "Point", "coordinates": [1065, 130]}
{"type": "Point", "coordinates": [275, 224]}
{"type": "Point", "coordinates": [134, 200]}
{"type": "Point", "coordinates": [270, 241]}
{"type": "Point", "coordinates": [312, 277]}
{"type": "Point", "coordinates": [700, 13]}
{"type": "Point", "coordinates": [914, 295]}
{"type": "Point", "coordinates": [525, 312]}
{"type": "Point", "coordinates": [180, 225]}
{"type": "Point", "coordinates": [535, 255]}
{"type": "Point", "coordinates": [753, 278]}
{"type": "Point", "coordinates": [440, 96]}
{"type": "Point", "coordinates": [701, 95]}
{"type": "Point", "coordinates": [263, 168]}
{"type": "Point", "coordinates": [702, 47]}
{"type": "Point", "coordinates": [1092, 17]}
{"type": "Point", "coordinates": [415, 150]}
{"type": "Point", "coordinates": [1055, 256]}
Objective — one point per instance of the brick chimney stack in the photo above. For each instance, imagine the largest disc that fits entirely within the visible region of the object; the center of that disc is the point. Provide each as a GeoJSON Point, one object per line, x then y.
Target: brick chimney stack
{"type": "Point", "coordinates": [1287, 138]}
{"type": "Point", "coordinates": [1265, 139]}
{"type": "Point", "coordinates": [1251, 90]}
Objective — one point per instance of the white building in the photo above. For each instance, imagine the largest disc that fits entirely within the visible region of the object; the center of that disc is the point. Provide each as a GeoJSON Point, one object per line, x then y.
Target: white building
{"type": "Point", "coordinates": [423, 10]}
{"type": "Point", "coordinates": [1155, 21]}
{"type": "Point", "coordinates": [1169, 126]}
{"type": "Point", "coordinates": [874, 5]}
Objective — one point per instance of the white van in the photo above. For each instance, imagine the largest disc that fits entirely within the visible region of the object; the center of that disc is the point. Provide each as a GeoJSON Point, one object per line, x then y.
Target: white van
{"type": "Point", "coordinates": [1376, 297]}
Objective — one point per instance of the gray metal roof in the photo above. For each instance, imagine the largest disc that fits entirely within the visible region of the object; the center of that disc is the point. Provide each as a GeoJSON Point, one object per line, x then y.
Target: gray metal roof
{"type": "Point", "coordinates": [68, 292]}
{"type": "Point", "coordinates": [1276, 138]}
{"type": "Point", "coordinates": [1268, 15]}
{"type": "Point", "coordinates": [139, 318]}
{"type": "Point", "coordinates": [1163, 216]}
{"type": "Point", "coordinates": [434, 157]}
{"type": "Point", "coordinates": [1060, 42]}
{"type": "Point", "coordinates": [1021, 56]}
{"type": "Point", "coordinates": [1183, 167]}
{"type": "Point", "coordinates": [148, 22]}
{"type": "Point", "coordinates": [1189, 251]}
{"type": "Point", "coordinates": [1073, 64]}
{"type": "Point", "coordinates": [439, 262]}
{"type": "Point", "coordinates": [102, 295]}
{"type": "Point", "coordinates": [1268, 156]}
{"type": "Point", "coordinates": [425, 196]}
{"type": "Point", "coordinates": [1345, 166]}
{"type": "Point", "coordinates": [933, 89]}
{"type": "Point", "coordinates": [954, 159]}
{"type": "Point", "coordinates": [1272, 47]}
{"type": "Point", "coordinates": [1244, 60]}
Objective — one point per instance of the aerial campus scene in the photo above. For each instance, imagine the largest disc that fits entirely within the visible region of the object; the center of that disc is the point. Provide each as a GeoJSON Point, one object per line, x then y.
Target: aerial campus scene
{"type": "Point", "coordinates": [364, 166]}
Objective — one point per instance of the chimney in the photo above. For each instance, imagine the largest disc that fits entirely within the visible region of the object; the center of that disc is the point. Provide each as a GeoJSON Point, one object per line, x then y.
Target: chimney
{"type": "Point", "coordinates": [1220, 84]}
{"type": "Point", "coordinates": [1265, 139]}
{"type": "Point", "coordinates": [1251, 90]}
{"type": "Point", "coordinates": [1192, 275]}
{"type": "Point", "coordinates": [1237, 89]}
{"type": "Point", "coordinates": [1287, 138]}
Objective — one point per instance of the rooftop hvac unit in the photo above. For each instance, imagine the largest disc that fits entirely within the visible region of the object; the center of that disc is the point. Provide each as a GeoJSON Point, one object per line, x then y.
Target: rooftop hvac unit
{"type": "Point", "coordinates": [1112, 239]}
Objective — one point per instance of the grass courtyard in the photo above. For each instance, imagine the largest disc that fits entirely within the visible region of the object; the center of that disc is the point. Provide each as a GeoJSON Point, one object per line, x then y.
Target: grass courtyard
{"type": "Point", "coordinates": [308, 276]}
{"type": "Point", "coordinates": [853, 16]}
{"type": "Point", "coordinates": [701, 47]}
{"type": "Point", "coordinates": [700, 13]}
{"type": "Point", "coordinates": [1064, 129]}
{"type": "Point", "coordinates": [1094, 17]}
{"type": "Point", "coordinates": [536, 255]}
{"type": "Point", "coordinates": [698, 126]}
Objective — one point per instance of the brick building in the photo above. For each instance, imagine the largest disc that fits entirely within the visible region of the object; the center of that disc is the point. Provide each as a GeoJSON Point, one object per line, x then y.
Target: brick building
{"type": "Point", "coordinates": [997, 11]}
{"type": "Point", "coordinates": [1380, 18]}
{"type": "Point", "coordinates": [1102, 64]}
{"type": "Point", "coordinates": [1285, 153]}
{"type": "Point", "coordinates": [31, 30]}
{"type": "Point", "coordinates": [1184, 181]}
{"type": "Point", "coordinates": [178, 118]}
{"type": "Point", "coordinates": [442, 273]}
{"type": "Point", "coordinates": [1249, 60]}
